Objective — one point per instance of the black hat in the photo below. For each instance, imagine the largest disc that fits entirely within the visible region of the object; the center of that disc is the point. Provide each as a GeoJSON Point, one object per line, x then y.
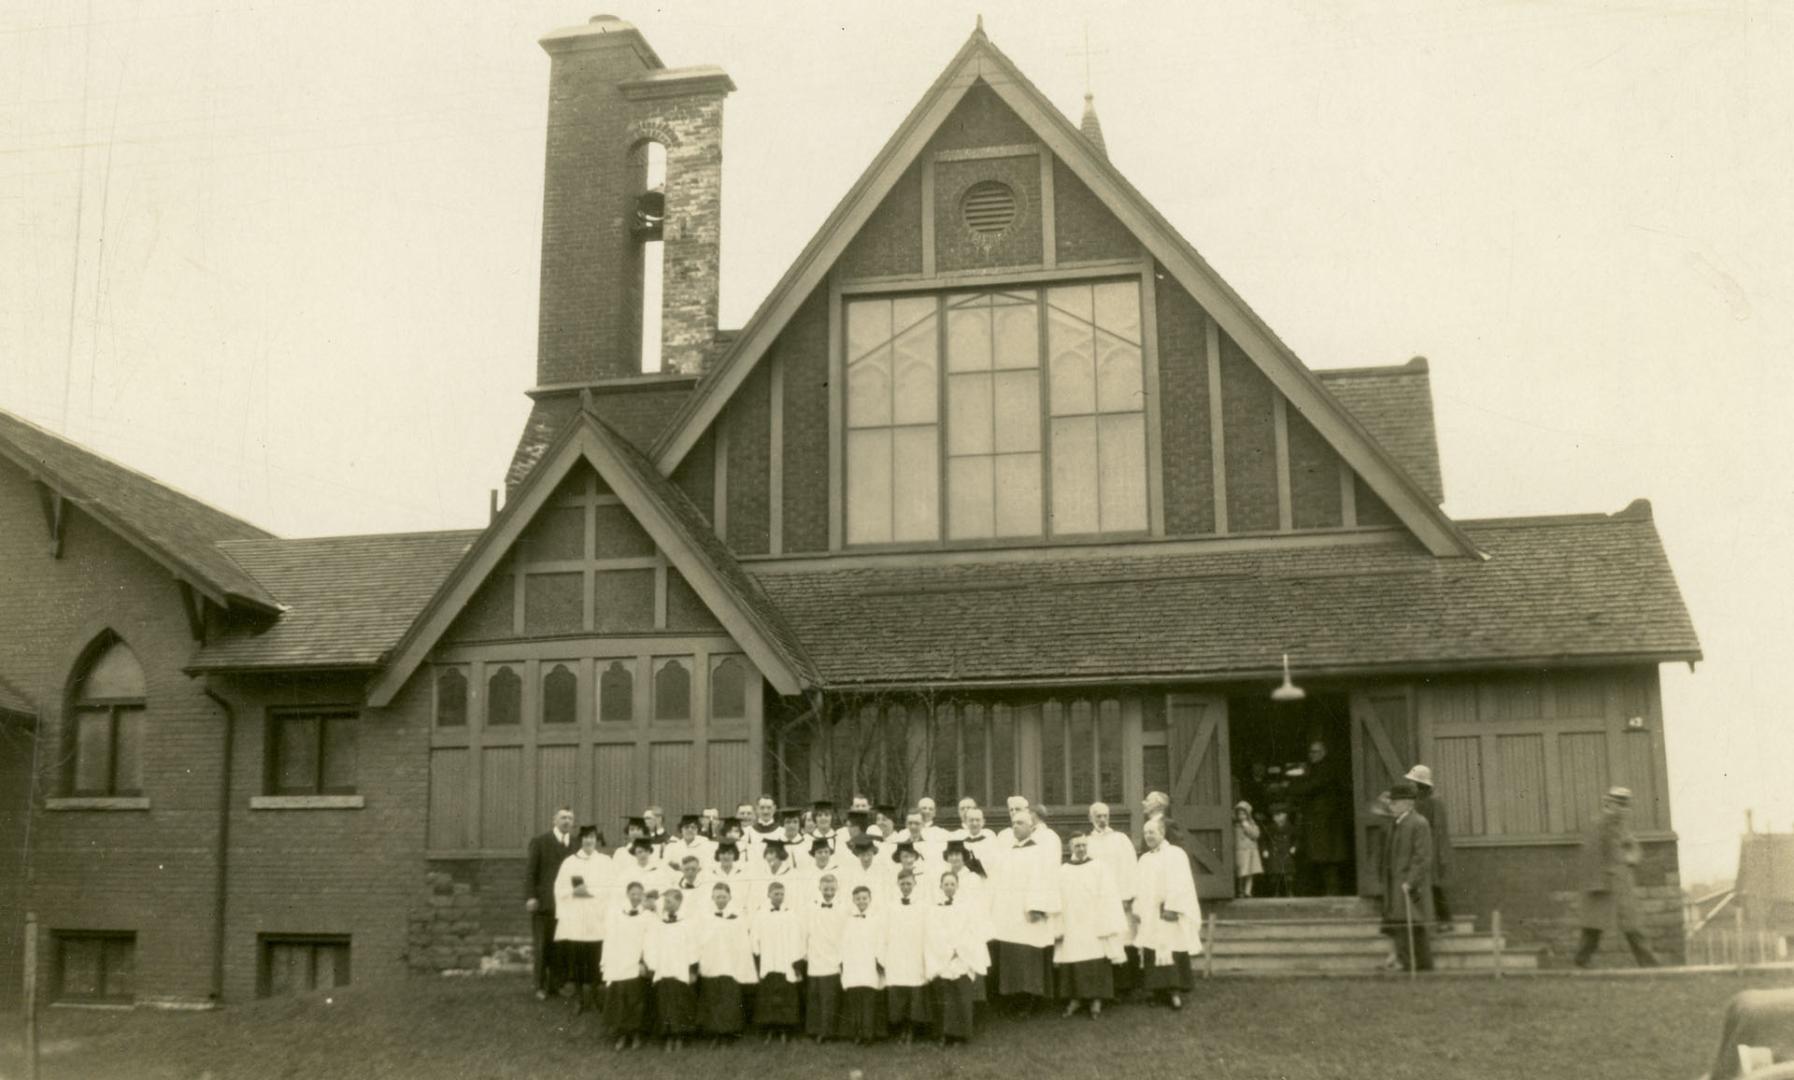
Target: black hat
{"type": "Point", "coordinates": [821, 805]}
{"type": "Point", "coordinates": [640, 843]}
{"type": "Point", "coordinates": [863, 843]}
{"type": "Point", "coordinates": [902, 846]}
{"type": "Point", "coordinates": [791, 813]}
{"type": "Point", "coordinates": [727, 847]}
{"type": "Point", "coordinates": [636, 822]}
{"type": "Point", "coordinates": [771, 846]}
{"type": "Point", "coordinates": [733, 823]}
{"type": "Point", "coordinates": [693, 820]}
{"type": "Point", "coordinates": [1403, 789]}
{"type": "Point", "coordinates": [859, 819]}
{"type": "Point", "coordinates": [821, 844]}
{"type": "Point", "coordinates": [887, 810]}
{"type": "Point", "coordinates": [590, 830]}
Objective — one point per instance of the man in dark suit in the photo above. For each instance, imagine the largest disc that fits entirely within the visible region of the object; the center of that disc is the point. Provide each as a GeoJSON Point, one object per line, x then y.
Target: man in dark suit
{"type": "Point", "coordinates": [545, 854]}
{"type": "Point", "coordinates": [1408, 880]}
{"type": "Point", "coordinates": [1323, 797]}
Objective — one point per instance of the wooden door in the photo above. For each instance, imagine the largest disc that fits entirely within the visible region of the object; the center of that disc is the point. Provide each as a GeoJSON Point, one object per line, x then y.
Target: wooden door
{"type": "Point", "coordinates": [1384, 748]}
{"type": "Point", "coordinates": [1202, 788]}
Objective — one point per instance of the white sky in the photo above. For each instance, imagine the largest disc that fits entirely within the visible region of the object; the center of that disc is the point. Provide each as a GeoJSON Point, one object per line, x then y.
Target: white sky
{"type": "Point", "coordinates": [284, 255]}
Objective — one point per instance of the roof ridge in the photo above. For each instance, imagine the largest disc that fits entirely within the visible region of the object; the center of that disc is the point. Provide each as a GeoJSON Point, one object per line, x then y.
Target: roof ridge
{"type": "Point", "coordinates": [354, 536]}
{"type": "Point", "coordinates": [1416, 366]}
{"type": "Point", "coordinates": [117, 464]}
{"type": "Point", "coordinates": [1630, 514]}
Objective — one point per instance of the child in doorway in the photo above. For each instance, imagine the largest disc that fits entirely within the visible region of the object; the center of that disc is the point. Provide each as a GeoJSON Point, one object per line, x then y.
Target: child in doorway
{"type": "Point", "coordinates": [1247, 863]}
{"type": "Point", "coordinates": [1279, 841]}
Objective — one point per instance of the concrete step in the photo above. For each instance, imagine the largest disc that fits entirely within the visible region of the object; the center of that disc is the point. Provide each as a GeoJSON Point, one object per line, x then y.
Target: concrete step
{"type": "Point", "coordinates": [1361, 964]}
{"type": "Point", "coordinates": [1240, 930]}
{"type": "Point", "coordinates": [1452, 945]}
{"type": "Point", "coordinates": [1301, 908]}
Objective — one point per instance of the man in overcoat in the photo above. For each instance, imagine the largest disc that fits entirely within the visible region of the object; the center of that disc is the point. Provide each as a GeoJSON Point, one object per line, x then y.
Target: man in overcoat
{"type": "Point", "coordinates": [1430, 806]}
{"type": "Point", "coordinates": [1609, 852]}
{"type": "Point", "coordinates": [1408, 881]}
{"type": "Point", "coordinates": [1323, 798]}
{"type": "Point", "coordinates": [544, 863]}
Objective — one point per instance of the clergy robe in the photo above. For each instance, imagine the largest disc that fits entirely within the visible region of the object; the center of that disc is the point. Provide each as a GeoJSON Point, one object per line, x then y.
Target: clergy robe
{"type": "Point", "coordinates": [579, 920]}
{"type": "Point", "coordinates": [653, 874]}
{"type": "Point", "coordinates": [625, 980]}
{"type": "Point", "coordinates": [1166, 886]}
{"type": "Point", "coordinates": [1115, 850]}
{"type": "Point", "coordinates": [822, 965]}
{"type": "Point", "coordinates": [1024, 880]}
{"type": "Point", "coordinates": [955, 956]}
{"type": "Point", "coordinates": [672, 953]}
{"type": "Point", "coordinates": [876, 877]}
{"type": "Point", "coordinates": [862, 985]}
{"type": "Point", "coordinates": [787, 876]}
{"type": "Point", "coordinates": [725, 965]}
{"type": "Point", "coordinates": [905, 951]}
{"type": "Point", "coordinates": [809, 880]}
{"type": "Point", "coordinates": [778, 940]}
{"type": "Point", "coordinates": [740, 884]}
{"type": "Point", "coordinates": [1091, 928]}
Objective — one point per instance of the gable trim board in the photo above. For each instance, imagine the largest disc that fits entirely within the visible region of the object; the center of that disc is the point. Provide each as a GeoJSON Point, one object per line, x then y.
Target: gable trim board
{"type": "Point", "coordinates": [586, 438]}
{"type": "Point", "coordinates": [974, 61]}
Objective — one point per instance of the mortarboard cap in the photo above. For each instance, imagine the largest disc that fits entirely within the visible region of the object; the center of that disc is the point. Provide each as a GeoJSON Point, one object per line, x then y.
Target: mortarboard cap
{"type": "Point", "coordinates": [859, 819]}
{"type": "Point", "coordinates": [821, 844]}
{"type": "Point", "coordinates": [727, 847]}
{"type": "Point", "coordinates": [887, 810]}
{"type": "Point", "coordinates": [590, 830]}
{"type": "Point", "coordinates": [821, 805]}
{"type": "Point", "coordinates": [791, 813]}
{"type": "Point", "coordinates": [637, 822]}
{"type": "Point", "coordinates": [773, 845]}
{"type": "Point", "coordinates": [863, 843]}
{"type": "Point", "coordinates": [690, 819]}
{"type": "Point", "coordinates": [902, 846]}
{"type": "Point", "coordinates": [640, 843]}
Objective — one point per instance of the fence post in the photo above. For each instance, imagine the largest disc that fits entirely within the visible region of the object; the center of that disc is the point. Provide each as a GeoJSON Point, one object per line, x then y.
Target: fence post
{"type": "Point", "coordinates": [1738, 934]}
{"type": "Point", "coordinates": [1208, 954]}
{"type": "Point", "coordinates": [1495, 941]}
{"type": "Point", "coordinates": [30, 1001]}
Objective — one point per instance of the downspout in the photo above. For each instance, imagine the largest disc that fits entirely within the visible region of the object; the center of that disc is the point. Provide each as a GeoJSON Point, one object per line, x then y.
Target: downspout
{"type": "Point", "coordinates": [220, 893]}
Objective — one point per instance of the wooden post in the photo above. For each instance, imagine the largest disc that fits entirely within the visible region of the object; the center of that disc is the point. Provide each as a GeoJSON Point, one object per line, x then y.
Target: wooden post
{"type": "Point", "coordinates": [30, 1001]}
{"type": "Point", "coordinates": [1495, 942]}
{"type": "Point", "coordinates": [1738, 933]}
{"type": "Point", "coordinates": [1208, 954]}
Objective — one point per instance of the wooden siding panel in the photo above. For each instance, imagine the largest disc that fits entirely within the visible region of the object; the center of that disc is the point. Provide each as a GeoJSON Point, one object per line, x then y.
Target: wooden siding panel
{"type": "Point", "coordinates": [1522, 793]}
{"type": "Point", "coordinates": [1460, 775]}
{"type": "Point", "coordinates": [557, 783]}
{"type": "Point", "coordinates": [728, 773]}
{"type": "Point", "coordinates": [449, 800]}
{"type": "Point", "coordinates": [613, 787]}
{"type": "Point", "coordinates": [669, 775]}
{"type": "Point", "coordinates": [1583, 758]}
{"type": "Point", "coordinates": [504, 810]}
{"type": "Point", "coordinates": [1640, 763]}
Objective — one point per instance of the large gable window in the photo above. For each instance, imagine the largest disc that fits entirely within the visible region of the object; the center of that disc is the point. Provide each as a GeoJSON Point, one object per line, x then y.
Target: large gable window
{"type": "Point", "coordinates": [1044, 429]}
{"type": "Point", "coordinates": [107, 733]}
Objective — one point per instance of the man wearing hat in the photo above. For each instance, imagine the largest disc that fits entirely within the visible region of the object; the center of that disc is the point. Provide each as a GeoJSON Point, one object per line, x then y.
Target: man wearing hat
{"type": "Point", "coordinates": [1609, 852]}
{"type": "Point", "coordinates": [1428, 805]}
{"type": "Point", "coordinates": [1408, 880]}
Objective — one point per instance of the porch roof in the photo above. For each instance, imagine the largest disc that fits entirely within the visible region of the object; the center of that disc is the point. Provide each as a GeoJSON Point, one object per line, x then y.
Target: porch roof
{"type": "Point", "coordinates": [14, 701]}
{"type": "Point", "coordinates": [1569, 589]}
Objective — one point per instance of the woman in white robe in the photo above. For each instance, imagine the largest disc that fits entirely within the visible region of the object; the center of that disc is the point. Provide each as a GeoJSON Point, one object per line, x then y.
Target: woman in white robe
{"type": "Point", "coordinates": [1091, 928]}
{"type": "Point", "coordinates": [1168, 928]}
{"type": "Point", "coordinates": [581, 898]}
{"type": "Point", "coordinates": [955, 955]}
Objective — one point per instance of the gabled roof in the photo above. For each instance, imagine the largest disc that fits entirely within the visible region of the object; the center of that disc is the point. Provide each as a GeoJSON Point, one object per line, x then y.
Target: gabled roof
{"type": "Point", "coordinates": [1395, 404]}
{"type": "Point", "coordinates": [176, 530]}
{"type": "Point", "coordinates": [668, 517]}
{"type": "Point", "coordinates": [1554, 590]}
{"type": "Point", "coordinates": [348, 599]}
{"type": "Point", "coordinates": [15, 702]}
{"type": "Point", "coordinates": [979, 61]}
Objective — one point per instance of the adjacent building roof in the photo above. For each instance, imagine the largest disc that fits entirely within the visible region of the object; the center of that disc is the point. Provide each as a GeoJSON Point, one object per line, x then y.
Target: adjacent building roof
{"type": "Point", "coordinates": [1584, 588]}
{"type": "Point", "coordinates": [174, 529]}
{"type": "Point", "coordinates": [1395, 404]}
{"type": "Point", "coordinates": [348, 599]}
{"type": "Point", "coordinates": [15, 701]}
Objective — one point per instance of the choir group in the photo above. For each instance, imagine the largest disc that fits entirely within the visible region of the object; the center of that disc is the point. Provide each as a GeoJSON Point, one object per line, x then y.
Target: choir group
{"type": "Point", "coordinates": [779, 922]}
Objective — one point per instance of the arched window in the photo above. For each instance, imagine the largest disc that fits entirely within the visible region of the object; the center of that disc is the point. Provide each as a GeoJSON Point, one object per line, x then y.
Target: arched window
{"type": "Point", "coordinates": [106, 719]}
{"type": "Point", "coordinates": [672, 690]}
{"type": "Point", "coordinates": [504, 698]}
{"type": "Point", "coordinates": [728, 688]}
{"type": "Point", "coordinates": [560, 695]}
{"type": "Point", "coordinates": [451, 698]}
{"type": "Point", "coordinates": [616, 694]}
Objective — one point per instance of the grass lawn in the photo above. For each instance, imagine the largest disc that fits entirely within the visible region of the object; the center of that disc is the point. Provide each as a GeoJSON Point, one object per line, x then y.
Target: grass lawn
{"type": "Point", "coordinates": [1284, 1028]}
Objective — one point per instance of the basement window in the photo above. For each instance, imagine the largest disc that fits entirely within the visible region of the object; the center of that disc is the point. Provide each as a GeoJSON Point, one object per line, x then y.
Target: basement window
{"type": "Point", "coordinates": [303, 963]}
{"type": "Point", "coordinates": [95, 967]}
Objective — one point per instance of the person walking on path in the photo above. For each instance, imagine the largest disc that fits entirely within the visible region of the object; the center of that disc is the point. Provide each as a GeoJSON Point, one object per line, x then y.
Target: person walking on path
{"type": "Point", "coordinates": [1609, 852]}
{"type": "Point", "coordinates": [1407, 881]}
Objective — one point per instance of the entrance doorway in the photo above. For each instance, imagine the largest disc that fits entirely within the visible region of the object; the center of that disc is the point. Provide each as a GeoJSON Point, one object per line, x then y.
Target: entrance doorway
{"type": "Point", "coordinates": [1270, 763]}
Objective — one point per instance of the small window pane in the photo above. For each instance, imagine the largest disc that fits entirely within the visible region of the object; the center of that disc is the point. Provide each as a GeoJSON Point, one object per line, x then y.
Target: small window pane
{"type": "Point", "coordinates": [118, 967]}
{"type": "Point", "coordinates": [869, 486]}
{"type": "Point", "coordinates": [869, 390]}
{"type": "Point", "coordinates": [1072, 300]}
{"type": "Point", "coordinates": [80, 967]}
{"type": "Point", "coordinates": [1123, 441]}
{"type": "Point", "coordinates": [622, 601]}
{"type": "Point", "coordinates": [968, 414]}
{"type": "Point", "coordinates": [911, 313]}
{"type": "Point", "coordinates": [916, 371]}
{"type": "Point", "coordinates": [1052, 755]}
{"type": "Point", "coordinates": [1071, 347]}
{"type": "Point", "coordinates": [916, 484]}
{"type": "Point", "coordinates": [127, 772]}
{"type": "Point", "coordinates": [1118, 376]}
{"type": "Point", "coordinates": [1017, 336]}
{"type": "Point", "coordinates": [968, 339]}
{"type": "Point", "coordinates": [451, 698]}
{"type": "Point", "coordinates": [114, 674]}
{"type": "Point", "coordinates": [504, 698]}
{"type": "Point", "coordinates": [1118, 309]}
{"type": "Point", "coordinates": [341, 734]}
{"type": "Point", "coordinates": [617, 535]}
{"type": "Point", "coordinates": [330, 967]}
{"type": "Point", "coordinates": [868, 326]}
{"type": "Point", "coordinates": [93, 751]}
{"type": "Point", "coordinates": [728, 689]}
{"type": "Point", "coordinates": [1108, 748]}
{"type": "Point", "coordinates": [296, 750]}
{"type": "Point", "coordinates": [672, 691]}
{"type": "Point", "coordinates": [1074, 475]}
{"type": "Point", "coordinates": [1017, 411]}
{"type": "Point", "coordinates": [616, 694]}
{"type": "Point", "coordinates": [969, 498]}
{"type": "Point", "coordinates": [1082, 751]}
{"type": "Point", "coordinates": [289, 969]}
{"type": "Point", "coordinates": [1018, 494]}
{"type": "Point", "coordinates": [560, 696]}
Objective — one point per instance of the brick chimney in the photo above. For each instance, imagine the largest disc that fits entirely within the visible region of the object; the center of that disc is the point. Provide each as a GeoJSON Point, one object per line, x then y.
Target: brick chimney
{"type": "Point", "coordinates": [610, 96]}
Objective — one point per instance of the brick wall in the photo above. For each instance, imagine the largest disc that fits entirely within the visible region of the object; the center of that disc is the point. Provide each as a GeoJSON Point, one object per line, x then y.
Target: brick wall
{"type": "Point", "coordinates": [981, 119]}
{"type": "Point", "coordinates": [1313, 477]}
{"type": "Point", "coordinates": [749, 421]}
{"type": "Point", "coordinates": [1083, 227]}
{"type": "Point", "coordinates": [890, 243]}
{"type": "Point", "coordinates": [638, 412]}
{"type": "Point", "coordinates": [803, 350]}
{"type": "Point", "coordinates": [696, 474]}
{"type": "Point", "coordinates": [15, 806]}
{"type": "Point", "coordinates": [1246, 397]}
{"type": "Point", "coordinates": [1187, 450]}
{"type": "Point", "coordinates": [956, 246]}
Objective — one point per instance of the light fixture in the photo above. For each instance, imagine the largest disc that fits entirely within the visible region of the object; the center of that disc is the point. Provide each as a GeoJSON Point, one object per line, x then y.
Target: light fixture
{"type": "Point", "coordinates": [1289, 691]}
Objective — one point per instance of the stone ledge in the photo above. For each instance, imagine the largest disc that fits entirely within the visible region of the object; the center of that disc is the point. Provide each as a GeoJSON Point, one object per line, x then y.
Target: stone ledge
{"type": "Point", "coordinates": [307, 802]}
{"type": "Point", "coordinates": [108, 802]}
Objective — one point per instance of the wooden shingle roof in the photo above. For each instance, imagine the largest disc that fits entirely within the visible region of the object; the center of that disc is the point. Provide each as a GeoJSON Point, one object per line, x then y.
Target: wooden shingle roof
{"type": "Point", "coordinates": [173, 528]}
{"type": "Point", "coordinates": [1586, 588]}
{"type": "Point", "coordinates": [1395, 404]}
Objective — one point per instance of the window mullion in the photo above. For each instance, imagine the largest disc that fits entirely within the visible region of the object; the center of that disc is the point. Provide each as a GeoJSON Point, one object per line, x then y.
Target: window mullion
{"type": "Point", "coordinates": [1046, 413]}
{"type": "Point", "coordinates": [943, 528]}
{"type": "Point", "coordinates": [111, 750]}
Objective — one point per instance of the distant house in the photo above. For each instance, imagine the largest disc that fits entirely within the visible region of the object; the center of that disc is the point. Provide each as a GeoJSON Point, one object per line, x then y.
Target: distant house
{"type": "Point", "coordinates": [1765, 888]}
{"type": "Point", "coordinates": [1002, 489]}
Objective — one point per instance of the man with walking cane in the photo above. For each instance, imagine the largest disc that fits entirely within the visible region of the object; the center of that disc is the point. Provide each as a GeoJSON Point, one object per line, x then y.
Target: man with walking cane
{"type": "Point", "coordinates": [1407, 881]}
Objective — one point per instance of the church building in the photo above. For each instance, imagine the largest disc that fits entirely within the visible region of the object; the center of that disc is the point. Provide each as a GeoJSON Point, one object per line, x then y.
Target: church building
{"type": "Point", "coordinates": [1002, 489]}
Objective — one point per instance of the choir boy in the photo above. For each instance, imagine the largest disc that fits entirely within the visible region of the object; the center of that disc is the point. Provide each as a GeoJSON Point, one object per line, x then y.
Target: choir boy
{"type": "Point", "coordinates": [728, 871]}
{"type": "Point", "coordinates": [674, 941]}
{"type": "Point", "coordinates": [778, 868]}
{"type": "Point", "coordinates": [626, 969]}
{"type": "Point", "coordinates": [904, 958]}
{"type": "Point", "coordinates": [908, 858]}
{"type": "Point", "coordinates": [823, 920]}
{"type": "Point", "coordinates": [955, 957]}
{"type": "Point", "coordinates": [862, 971]}
{"type": "Point", "coordinates": [725, 965]}
{"type": "Point", "coordinates": [778, 938]}
{"type": "Point", "coordinates": [1024, 898]}
{"type": "Point", "coordinates": [1168, 917]}
{"type": "Point", "coordinates": [1115, 850]}
{"type": "Point", "coordinates": [1092, 929]}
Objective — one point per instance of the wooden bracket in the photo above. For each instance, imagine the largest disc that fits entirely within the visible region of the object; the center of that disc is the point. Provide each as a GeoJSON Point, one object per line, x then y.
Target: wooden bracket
{"type": "Point", "coordinates": [51, 500]}
{"type": "Point", "coordinates": [195, 607]}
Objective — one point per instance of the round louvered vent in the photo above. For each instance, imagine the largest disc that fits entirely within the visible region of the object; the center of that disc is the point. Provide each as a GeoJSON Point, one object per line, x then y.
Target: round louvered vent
{"type": "Point", "coordinates": [988, 207]}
